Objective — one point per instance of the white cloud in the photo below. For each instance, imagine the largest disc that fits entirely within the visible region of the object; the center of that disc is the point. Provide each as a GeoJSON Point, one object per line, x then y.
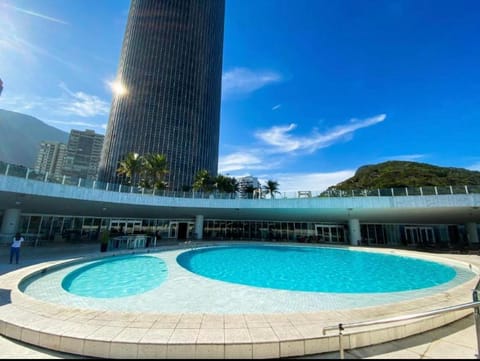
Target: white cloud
{"type": "Point", "coordinates": [82, 104]}
{"type": "Point", "coordinates": [73, 123]}
{"type": "Point", "coordinates": [60, 110]}
{"type": "Point", "coordinates": [406, 157]}
{"type": "Point", "coordinates": [76, 104]}
{"type": "Point", "coordinates": [35, 14]}
{"type": "Point", "coordinates": [290, 183]}
{"type": "Point", "coordinates": [239, 161]}
{"type": "Point", "coordinates": [278, 137]}
{"type": "Point", "coordinates": [281, 139]}
{"type": "Point", "coordinates": [276, 107]}
{"type": "Point", "coordinates": [315, 182]}
{"type": "Point", "coordinates": [31, 52]}
{"type": "Point", "coordinates": [243, 80]}
{"type": "Point", "coordinates": [475, 166]}
{"type": "Point", "coordinates": [280, 143]}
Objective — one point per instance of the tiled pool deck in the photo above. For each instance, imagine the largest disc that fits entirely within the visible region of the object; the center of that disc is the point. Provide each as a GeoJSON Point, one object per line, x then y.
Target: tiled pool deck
{"type": "Point", "coordinates": [121, 334]}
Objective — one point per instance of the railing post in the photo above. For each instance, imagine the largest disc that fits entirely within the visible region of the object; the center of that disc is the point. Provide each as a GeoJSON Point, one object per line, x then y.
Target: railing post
{"type": "Point", "coordinates": [421, 191]}
{"type": "Point", "coordinates": [451, 190]}
{"type": "Point", "coordinates": [46, 177]}
{"type": "Point", "coordinates": [340, 341]}
{"type": "Point", "coordinates": [7, 169]}
{"type": "Point", "coordinates": [63, 179]}
{"type": "Point", "coordinates": [28, 172]}
{"type": "Point", "coordinates": [466, 189]}
{"type": "Point", "coordinates": [476, 317]}
{"type": "Point", "coordinates": [393, 194]}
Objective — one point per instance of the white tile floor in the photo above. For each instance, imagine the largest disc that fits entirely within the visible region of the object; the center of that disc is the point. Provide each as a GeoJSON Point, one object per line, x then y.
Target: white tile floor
{"type": "Point", "coordinates": [455, 341]}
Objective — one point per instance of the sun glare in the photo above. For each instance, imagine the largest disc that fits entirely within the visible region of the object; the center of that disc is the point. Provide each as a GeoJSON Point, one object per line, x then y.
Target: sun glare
{"type": "Point", "coordinates": [118, 88]}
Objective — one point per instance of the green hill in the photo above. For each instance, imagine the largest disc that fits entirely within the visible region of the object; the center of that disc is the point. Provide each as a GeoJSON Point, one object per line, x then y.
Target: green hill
{"type": "Point", "coordinates": [20, 137]}
{"type": "Point", "coordinates": [396, 174]}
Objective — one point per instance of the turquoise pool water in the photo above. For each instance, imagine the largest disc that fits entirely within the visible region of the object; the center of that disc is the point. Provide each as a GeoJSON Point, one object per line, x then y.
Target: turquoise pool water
{"type": "Point", "coordinates": [116, 277]}
{"type": "Point", "coordinates": [315, 269]}
{"type": "Point", "coordinates": [183, 291]}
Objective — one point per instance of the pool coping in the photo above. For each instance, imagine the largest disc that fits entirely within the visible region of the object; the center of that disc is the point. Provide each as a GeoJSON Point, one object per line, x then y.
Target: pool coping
{"type": "Point", "coordinates": [115, 334]}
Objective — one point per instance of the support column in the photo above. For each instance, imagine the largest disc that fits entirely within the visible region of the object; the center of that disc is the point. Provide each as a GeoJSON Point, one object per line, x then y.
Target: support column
{"type": "Point", "coordinates": [11, 220]}
{"type": "Point", "coordinates": [472, 234]}
{"type": "Point", "coordinates": [354, 232]}
{"type": "Point", "coordinates": [199, 227]}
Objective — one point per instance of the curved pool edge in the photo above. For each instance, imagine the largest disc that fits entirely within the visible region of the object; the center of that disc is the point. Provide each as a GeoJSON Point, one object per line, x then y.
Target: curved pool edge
{"type": "Point", "coordinates": [145, 335]}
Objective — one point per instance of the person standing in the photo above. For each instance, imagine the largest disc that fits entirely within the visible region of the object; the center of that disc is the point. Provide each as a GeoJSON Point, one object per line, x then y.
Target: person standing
{"type": "Point", "coordinates": [15, 248]}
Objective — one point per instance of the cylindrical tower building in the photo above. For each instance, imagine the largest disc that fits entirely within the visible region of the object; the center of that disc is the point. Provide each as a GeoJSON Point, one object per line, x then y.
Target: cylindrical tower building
{"type": "Point", "coordinates": [171, 70]}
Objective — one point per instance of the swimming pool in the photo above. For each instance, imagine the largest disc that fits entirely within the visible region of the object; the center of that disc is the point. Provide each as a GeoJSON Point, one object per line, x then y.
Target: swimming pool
{"type": "Point", "coordinates": [193, 316]}
{"type": "Point", "coordinates": [315, 269]}
{"type": "Point", "coordinates": [117, 277]}
{"type": "Point", "coordinates": [187, 292]}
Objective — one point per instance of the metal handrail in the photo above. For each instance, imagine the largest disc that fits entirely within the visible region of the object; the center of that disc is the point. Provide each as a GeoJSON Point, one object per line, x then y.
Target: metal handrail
{"type": "Point", "coordinates": [475, 304]}
{"type": "Point", "coordinates": [460, 307]}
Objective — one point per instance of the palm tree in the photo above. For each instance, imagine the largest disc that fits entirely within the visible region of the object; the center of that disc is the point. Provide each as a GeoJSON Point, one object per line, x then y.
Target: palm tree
{"type": "Point", "coordinates": [248, 190]}
{"type": "Point", "coordinates": [271, 187]}
{"type": "Point", "coordinates": [226, 184]}
{"type": "Point", "coordinates": [155, 169]}
{"type": "Point", "coordinates": [234, 186]}
{"type": "Point", "coordinates": [130, 167]}
{"type": "Point", "coordinates": [203, 181]}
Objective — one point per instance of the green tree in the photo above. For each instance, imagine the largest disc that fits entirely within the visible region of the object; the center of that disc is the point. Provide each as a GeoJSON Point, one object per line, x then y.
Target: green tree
{"type": "Point", "coordinates": [226, 184]}
{"type": "Point", "coordinates": [271, 187]}
{"type": "Point", "coordinates": [234, 187]}
{"type": "Point", "coordinates": [203, 181]}
{"type": "Point", "coordinates": [248, 190]}
{"type": "Point", "coordinates": [131, 167]}
{"type": "Point", "coordinates": [186, 188]}
{"type": "Point", "coordinates": [154, 171]}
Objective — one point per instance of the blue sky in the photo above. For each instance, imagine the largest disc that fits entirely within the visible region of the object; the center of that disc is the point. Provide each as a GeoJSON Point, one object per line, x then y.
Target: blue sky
{"type": "Point", "coordinates": [312, 89]}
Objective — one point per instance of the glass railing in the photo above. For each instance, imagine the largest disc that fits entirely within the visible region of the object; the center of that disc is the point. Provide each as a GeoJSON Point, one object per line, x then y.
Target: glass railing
{"type": "Point", "coordinates": [13, 170]}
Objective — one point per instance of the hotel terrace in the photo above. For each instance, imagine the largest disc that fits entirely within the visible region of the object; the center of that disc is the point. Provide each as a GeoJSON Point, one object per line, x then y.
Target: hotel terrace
{"type": "Point", "coordinates": [69, 209]}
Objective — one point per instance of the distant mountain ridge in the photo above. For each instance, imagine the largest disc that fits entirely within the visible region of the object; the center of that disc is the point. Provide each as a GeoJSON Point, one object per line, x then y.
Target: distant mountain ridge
{"type": "Point", "coordinates": [396, 174]}
{"type": "Point", "coordinates": [20, 137]}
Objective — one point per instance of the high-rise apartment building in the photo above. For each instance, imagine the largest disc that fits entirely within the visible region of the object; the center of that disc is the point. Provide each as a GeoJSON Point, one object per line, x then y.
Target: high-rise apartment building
{"type": "Point", "coordinates": [50, 158]}
{"type": "Point", "coordinates": [247, 186]}
{"type": "Point", "coordinates": [171, 71]}
{"type": "Point", "coordinates": [83, 153]}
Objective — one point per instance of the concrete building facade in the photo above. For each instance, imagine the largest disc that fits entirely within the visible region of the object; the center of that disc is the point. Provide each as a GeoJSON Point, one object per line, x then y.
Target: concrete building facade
{"type": "Point", "coordinates": [82, 154]}
{"type": "Point", "coordinates": [50, 158]}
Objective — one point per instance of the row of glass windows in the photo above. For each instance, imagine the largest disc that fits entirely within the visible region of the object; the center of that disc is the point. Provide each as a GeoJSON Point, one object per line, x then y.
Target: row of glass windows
{"type": "Point", "coordinates": [64, 228]}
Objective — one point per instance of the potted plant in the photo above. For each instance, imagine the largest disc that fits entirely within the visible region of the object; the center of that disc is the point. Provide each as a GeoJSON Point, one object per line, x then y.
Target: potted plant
{"type": "Point", "coordinates": [104, 241]}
